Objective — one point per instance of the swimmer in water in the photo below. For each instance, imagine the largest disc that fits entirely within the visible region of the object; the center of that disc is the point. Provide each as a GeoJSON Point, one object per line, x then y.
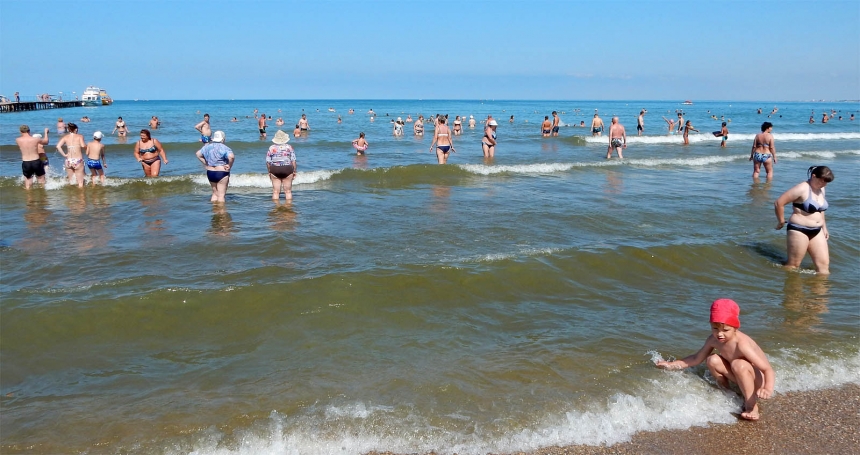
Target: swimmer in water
{"type": "Point", "coordinates": [442, 140]}
{"type": "Point", "coordinates": [75, 145]}
{"type": "Point", "coordinates": [360, 144]}
{"type": "Point", "coordinates": [763, 151]}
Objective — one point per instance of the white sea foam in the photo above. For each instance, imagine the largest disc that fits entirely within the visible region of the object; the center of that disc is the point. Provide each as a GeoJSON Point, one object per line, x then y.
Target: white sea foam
{"type": "Point", "coordinates": [667, 400]}
{"type": "Point", "coordinates": [708, 137]}
{"type": "Point", "coordinates": [516, 254]}
{"type": "Point", "coordinates": [263, 181]}
{"type": "Point", "coordinates": [542, 168]}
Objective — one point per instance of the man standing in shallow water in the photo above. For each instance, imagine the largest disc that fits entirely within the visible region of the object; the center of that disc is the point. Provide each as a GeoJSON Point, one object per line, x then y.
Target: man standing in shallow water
{"type": "Point", "coordinates": [31, 162]}
{"type": "Point", "coordinates": [617, 139]}
{"type": "Point", "coordinates": [205, 129]}
{"type": "Point", "coordinates": [261, 123]}
{"type": "Point", "coordinates": [640, 123]}
{"type": "Point", "coordinates": [596, 125]}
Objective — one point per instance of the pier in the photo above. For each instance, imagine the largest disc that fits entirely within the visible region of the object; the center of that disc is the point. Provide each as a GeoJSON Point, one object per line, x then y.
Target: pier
{"type": "Point", "coordinates": [38, 105]}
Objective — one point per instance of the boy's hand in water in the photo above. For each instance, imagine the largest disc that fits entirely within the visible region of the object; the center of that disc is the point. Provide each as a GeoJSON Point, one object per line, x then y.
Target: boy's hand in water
{"type": "Point", "coordinates": [665, 365]}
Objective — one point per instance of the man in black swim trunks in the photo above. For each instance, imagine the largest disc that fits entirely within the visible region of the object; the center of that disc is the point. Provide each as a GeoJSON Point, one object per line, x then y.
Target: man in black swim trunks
{"type": "Point", "coordinates": [555, 122]}
{"type": "Point", "coordinates": [261, 122]}
{"type": "Point", "coordinates": [640, 125]}
{"type": "Point", "coordinates": [31, 162]}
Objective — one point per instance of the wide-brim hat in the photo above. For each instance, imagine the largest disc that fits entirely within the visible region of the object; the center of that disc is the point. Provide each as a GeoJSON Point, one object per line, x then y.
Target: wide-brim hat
{"type": "Point", "coordinates": [281, 138]}
{"type": "Point", "coordinates": [493, 123]}
{"type": "Point", "coordinates": [218, 136]}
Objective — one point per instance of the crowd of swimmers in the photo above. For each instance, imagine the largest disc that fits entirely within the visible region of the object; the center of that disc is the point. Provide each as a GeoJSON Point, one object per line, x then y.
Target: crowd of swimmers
{"type": "Point", "coordinates": [730, 355]}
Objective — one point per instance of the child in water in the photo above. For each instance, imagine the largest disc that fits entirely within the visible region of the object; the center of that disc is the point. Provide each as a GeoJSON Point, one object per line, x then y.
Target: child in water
{"type": "Point", "coordinates": [738, 358]}
{"type": "Point", "coordinates": [360, 144]}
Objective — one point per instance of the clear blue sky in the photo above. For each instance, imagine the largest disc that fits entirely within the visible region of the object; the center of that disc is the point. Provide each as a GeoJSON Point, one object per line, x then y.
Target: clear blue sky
{"type": "Point", "coordinates": [360, 49]}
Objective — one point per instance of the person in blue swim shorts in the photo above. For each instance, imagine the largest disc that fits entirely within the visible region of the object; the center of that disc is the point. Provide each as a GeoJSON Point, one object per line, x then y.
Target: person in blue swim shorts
{"type": "Point", "coordinates": [96, 158]}
{"type": "Point", "coordinates": [205, 129]}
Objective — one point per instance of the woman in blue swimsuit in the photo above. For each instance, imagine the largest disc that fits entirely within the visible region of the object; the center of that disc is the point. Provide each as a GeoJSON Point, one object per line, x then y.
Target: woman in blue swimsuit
{"type": "Point", "coordinates": [149, 153]}
{"type": "Point", "coordinates": [806, 230]}
{"type": "Point", "coordinates": [763, 151]}
{"type": "Point", "coordinates": [218, 159]}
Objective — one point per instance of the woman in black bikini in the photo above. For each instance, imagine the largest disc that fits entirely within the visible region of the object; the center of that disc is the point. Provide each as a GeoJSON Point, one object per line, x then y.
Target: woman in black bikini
{"type": "Point", "coordinates": [149, 153]}
{"type": "Point", "coordinates": [806, 230]}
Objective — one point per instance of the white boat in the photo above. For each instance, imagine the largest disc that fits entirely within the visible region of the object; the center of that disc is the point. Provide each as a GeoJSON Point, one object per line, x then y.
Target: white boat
{"type": "Point", "coordinates": [91, 96]}
{"type": "Point", "coordinates": [94, 96]}
{"type": "Point", "coordinates": [688, 103]}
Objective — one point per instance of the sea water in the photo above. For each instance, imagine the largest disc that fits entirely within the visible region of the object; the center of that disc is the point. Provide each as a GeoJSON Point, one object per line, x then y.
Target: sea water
{"type": "Point", "coordinates": [395, 304]}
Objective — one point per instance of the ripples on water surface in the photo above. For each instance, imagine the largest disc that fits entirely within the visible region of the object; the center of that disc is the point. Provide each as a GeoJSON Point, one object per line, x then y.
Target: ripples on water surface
{"type": "Point", "coordinates": [399, 305]}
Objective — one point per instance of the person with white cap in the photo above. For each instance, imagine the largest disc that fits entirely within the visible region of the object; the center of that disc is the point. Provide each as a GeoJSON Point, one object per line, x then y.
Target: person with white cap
{"type": "Point", "coordinates": [96, 158]}
{"type": "Point", "coordinates": [281, 164]}
{"type": "Point", "coordinates": [472, 121]}
{"type": "Point", "coordinates": [218, 159]}
{"type": "Point", "coordinates": [488, 142]}
{"type": "Point", "coordinates": [398, 127]}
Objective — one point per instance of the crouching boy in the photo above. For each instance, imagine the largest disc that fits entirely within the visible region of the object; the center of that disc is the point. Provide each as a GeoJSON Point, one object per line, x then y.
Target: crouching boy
{"type": "Point", "coordinates": [737, 358]}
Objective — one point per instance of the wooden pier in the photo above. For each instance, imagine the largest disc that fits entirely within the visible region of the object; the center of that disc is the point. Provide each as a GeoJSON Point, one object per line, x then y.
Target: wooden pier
{"type": "Point", "coordinates": [38, 105]}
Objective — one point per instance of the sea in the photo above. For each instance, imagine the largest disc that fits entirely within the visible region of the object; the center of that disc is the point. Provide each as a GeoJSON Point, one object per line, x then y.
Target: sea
{"type": "Point", "coordinates": [483, 306]}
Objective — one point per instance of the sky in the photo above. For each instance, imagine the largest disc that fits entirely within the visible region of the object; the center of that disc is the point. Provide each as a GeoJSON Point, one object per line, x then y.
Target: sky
{"type": "Point", "coordinates": [362, 49]}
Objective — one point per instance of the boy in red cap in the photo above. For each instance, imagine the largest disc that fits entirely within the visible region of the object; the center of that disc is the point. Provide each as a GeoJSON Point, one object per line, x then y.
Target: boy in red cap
{"type": "Point", "coordinates": [738, 358]}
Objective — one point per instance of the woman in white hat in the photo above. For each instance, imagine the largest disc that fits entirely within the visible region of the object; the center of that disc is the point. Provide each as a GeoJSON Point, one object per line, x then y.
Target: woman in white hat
{"type": "Point", "coordinates": [398, 127]}
{"type": "Point", "coordinates": [218, 159]}
{"type": "Point", "coordinates": [488, 142]}
{"type": "Point", "coordinates": [281, 163]}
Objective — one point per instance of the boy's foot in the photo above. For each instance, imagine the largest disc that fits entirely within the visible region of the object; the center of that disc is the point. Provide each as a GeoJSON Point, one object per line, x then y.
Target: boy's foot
{"type": "Point", "coordinates": [751, 415]}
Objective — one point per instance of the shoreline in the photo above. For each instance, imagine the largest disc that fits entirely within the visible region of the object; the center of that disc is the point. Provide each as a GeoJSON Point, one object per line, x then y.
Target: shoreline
{"type": "Point", "coordinates": [823, 421]}
{"type": "Point", "coordinates": [810, 422]}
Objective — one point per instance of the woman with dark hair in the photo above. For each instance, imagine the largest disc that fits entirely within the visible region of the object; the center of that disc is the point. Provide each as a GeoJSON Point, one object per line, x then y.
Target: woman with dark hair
{"type": "Point", "coordinates": [120, 127]}
{"type": "Point", "coordinates": [149, 153]}
{"type": "Point", "coordinates": [75, 146]}
{"type": "Point", "coordinates": [806, 230]}
{"type": "Point", "coordinates": [763, 151]}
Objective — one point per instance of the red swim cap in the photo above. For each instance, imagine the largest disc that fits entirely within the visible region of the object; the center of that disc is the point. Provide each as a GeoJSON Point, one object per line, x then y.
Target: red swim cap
{"type": "Point", "coordinates": [726, 311]}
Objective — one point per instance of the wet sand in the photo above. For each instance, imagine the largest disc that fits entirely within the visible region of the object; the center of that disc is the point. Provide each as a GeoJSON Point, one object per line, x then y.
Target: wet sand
{"type": "Point", "coordinates": [819, 422]}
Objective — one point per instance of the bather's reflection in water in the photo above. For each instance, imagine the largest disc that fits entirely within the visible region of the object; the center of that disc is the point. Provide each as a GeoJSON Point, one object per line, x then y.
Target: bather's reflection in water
{"type": "Point", "coordinates": [222, 223]}
{"type": "Point", "coordinates": [759, 193]}
{"type": "Point", "coordinates": [39, 234]}
{"type": "Point", "coordinates": [614, 184]}
{"type": "Point", "coordinates": [805, 299]}
{"type": "Point", "coordinates": [441, 199]}
{"type": "Point", "coordinates": [282, 217]}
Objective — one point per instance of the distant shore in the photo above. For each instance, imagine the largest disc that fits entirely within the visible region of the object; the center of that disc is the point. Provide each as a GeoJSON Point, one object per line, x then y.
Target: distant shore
{"type": "Point", "coordinates": [817, 422]}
